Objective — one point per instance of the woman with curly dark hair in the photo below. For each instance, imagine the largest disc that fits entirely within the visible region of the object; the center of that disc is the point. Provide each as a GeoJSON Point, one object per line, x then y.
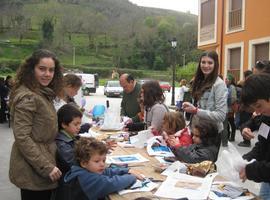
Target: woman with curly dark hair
{"type": "Point", "coordinates": [155, 109]}
{"type": "Point", "coordinates": [34, 122]}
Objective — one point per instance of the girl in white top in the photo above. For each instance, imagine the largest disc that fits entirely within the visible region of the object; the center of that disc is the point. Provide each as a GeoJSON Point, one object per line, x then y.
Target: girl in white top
{"type": "Point", "coordinates": [183, 88]}
{"type": "Point", "coordinates": [71, 86]}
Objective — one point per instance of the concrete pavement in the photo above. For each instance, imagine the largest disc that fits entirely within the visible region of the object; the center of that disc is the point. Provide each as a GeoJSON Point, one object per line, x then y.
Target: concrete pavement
{"type": "Point", "coordinates": [9, 192]}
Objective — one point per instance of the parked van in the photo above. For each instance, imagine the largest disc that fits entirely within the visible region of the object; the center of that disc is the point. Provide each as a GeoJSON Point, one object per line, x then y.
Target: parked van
{"type": "Point", "coordinates": [90, 83]}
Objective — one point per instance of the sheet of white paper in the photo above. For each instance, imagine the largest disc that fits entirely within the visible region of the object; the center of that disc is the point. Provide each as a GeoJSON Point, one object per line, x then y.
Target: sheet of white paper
{"type": "Point", "coordinates": [126, 159]}
{"type": "Point", "coordinates": [264, 130]}
{"type": "Point", "coordinates": [149, 187]}
{"type": "Point", "coordinates": [125, 144]}
{"type": "Point", "coordinates": [174, 168]}
{"type": "Point", "coordinates": [90, 133]}
{"type": "Point", "coordinates": [182, 185]}
{"type": "Point", "coordinates": [161, 150]}
{"type": "Point", "coordinates": [161, 160]}
{"type": "Point", "coordinates": [140, 140]}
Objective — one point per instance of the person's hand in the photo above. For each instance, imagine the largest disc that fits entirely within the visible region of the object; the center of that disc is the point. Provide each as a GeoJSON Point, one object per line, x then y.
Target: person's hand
{"type": "Point", "coordinates": [165, 136]}
{"type": "Point", "coordinates": [172, 141]}
{"type": "Point", "coordinates": [111, 144]}
{"type": "Point", "coordinates": [55, 174]}
{"type": "Point", "coordinates": [242, 174]}
{"type": "Point", "coordinates": [128, 121]}
{"type": "Point", "coordinates": [247, 134]}
{"type": "Point", "coordinates": [255, 114]}
{"type": "Point", "coordinates": [189, 107]}
{"type": "Point", "coordinates": [154, 131]}
{"type": "Point", "coordinates": [137, 174]}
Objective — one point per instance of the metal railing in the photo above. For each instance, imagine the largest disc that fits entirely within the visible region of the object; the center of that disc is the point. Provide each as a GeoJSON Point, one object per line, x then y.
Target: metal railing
{"type": "Point", "coordinates": [235, 19]}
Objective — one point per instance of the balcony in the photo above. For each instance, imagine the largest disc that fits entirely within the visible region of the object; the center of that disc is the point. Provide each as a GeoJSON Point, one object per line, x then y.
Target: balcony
{"type": "Point", "coordinates": [235, 19]}
{"type": "Point", "coordinates": [207, 33]}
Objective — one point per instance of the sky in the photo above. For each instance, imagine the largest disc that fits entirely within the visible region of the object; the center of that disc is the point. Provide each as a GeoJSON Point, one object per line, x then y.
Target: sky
{"type": "Point", "coordinates": [178, 5]}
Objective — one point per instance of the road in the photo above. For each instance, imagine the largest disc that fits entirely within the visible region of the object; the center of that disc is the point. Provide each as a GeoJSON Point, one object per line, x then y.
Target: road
{"type": "Point", "coordinates": [99, 98]}
{"type": "Point", "coordinates": [9, 192]}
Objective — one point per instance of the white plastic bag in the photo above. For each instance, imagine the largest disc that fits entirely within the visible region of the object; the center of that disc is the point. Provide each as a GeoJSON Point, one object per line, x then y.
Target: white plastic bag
{"type": "Point", "coordinates": [112, 120]}
{"type": "Point", "coordinates": [231, 162]}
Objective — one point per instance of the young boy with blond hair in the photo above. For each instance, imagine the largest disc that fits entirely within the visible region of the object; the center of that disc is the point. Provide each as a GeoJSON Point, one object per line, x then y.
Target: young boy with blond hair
{"type": "Point", "coordinates": [95, 180]}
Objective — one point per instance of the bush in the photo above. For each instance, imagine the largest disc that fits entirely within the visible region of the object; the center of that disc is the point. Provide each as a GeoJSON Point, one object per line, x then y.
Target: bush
{"type": "Point", "coordinates": [5, 70]}
{"type": "Point", "coordinates": [10, 65]}
{"type": "Point", "coordinates": [186, 72]}
{"type": "Point", "coordinates": [106, 72]}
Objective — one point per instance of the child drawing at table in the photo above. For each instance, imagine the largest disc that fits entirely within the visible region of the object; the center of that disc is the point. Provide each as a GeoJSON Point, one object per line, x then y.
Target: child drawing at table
{"type": "Point", "coordinates": [175, 132]}
{"type": "Point", "coordinates": [205, 143]}
{"type": "Point", "coordinates": [69, 122]}
{"type": "Point", "coordinates": [95, 180]}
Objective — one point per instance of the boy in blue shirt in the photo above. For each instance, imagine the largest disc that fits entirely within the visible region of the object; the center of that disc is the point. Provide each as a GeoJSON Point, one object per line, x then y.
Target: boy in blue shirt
{"type": "Point", "coordinates": [95, 180]}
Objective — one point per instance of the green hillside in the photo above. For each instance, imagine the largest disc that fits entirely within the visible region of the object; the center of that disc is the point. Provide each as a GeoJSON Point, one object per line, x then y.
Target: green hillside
{"type": "Point", "coordinates": [95, 34]}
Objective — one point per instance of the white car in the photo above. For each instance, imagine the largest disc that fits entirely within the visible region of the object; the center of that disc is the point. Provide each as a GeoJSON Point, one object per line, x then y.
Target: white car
{"type": "Point", "coordinates": [113, 88]}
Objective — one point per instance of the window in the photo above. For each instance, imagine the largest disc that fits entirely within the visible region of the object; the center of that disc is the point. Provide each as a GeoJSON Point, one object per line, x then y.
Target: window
{"type": "Point", "coordinates": [259, 49]}
{"type": "Point", "coordinates": [235, 62]}
{"type": "Point", "coordinates": [207, 13]}
{"type": "Point", "coordinates": [235, 18]}
{"type": "Point", "coordinates": [207, 25]}
{"type": "Point", "coordinates": [262, 51]}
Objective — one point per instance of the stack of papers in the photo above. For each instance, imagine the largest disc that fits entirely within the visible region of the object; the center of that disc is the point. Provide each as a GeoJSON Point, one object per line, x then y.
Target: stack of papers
{"type": "Point", "coordinates": [174, 169]}
{"type": "Point", "coordinates": [185, 186]}
{"type": "Point", "coordinates": [228, 190]}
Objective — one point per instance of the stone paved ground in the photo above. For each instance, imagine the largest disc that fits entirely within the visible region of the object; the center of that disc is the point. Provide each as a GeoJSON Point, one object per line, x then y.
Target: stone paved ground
{"type": "Point", "coordinates": [9, 192]}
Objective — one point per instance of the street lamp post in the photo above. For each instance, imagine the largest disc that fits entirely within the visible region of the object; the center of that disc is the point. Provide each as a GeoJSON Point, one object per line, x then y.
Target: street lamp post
{"type": "Point", "coordinates": [184, 60]}
{"type": "Point", "coordinates": [174, 44]}
{"type": "Point", "coordinates": [74, 56]}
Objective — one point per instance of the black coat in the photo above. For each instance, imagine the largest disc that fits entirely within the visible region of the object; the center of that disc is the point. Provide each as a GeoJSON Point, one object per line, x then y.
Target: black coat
{"type": "Point", "coordinates": [259, 171]}
{"type": "Point", "coordinates": [196, 153]}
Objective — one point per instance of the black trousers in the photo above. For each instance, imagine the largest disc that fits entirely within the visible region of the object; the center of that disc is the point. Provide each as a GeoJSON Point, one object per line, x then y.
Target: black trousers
{"type": "Point", "coordinates": [36, 195]}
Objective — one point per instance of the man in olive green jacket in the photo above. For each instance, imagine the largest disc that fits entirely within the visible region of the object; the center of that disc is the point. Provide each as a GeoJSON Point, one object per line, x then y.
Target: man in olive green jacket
{"type": "Point", "coordinates": [130, 106]}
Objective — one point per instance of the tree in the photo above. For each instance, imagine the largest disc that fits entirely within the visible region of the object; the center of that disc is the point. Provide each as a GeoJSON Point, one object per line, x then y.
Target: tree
{"type": "Point", "coordinates": [48, 29]}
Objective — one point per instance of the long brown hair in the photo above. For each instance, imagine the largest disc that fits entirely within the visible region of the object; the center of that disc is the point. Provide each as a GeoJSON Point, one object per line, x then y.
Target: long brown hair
{"type": "Point", "coordinates": [25, 74]}
{"type": "Point", "coordinates": [152, 93]}
{"type": "Point", "coordinates": [202, 83]}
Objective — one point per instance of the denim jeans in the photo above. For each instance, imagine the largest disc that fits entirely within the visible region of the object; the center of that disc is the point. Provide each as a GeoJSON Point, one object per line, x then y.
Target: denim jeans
{"type": "Point", "coordinates": [265, 191]}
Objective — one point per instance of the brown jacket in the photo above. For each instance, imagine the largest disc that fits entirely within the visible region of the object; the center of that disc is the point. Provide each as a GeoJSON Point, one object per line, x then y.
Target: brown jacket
{"type": "Point", "coordinates": [34, 123]}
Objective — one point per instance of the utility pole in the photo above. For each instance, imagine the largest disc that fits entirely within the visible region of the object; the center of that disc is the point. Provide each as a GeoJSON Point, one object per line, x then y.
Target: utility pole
{"type": "Point", "coordinates": [74, 56]}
